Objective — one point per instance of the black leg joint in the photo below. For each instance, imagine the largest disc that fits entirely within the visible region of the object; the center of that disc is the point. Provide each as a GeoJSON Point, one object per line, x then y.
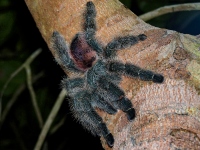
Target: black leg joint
{"type": "Point", "coordinates": [116, 67]}
{"type": "Point", "coordinates": [142, 37]}
{"type": "Point", "coordinates": [110, 140]}
{"type": "Point", "coordinates": [158, 78]}
{"type": "Point", "coordinates": [108, 136]}
{"type": "Point", "coordinates": [131, 114]}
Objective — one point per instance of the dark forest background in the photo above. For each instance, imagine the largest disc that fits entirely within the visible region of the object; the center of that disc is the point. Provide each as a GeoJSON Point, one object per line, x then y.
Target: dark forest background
{"type": "Point", "coordinates": [19, 38]}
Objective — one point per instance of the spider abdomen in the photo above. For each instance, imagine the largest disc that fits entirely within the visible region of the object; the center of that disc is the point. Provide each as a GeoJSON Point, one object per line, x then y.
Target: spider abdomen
{"type": "Point", "coordinates": [82, 53]}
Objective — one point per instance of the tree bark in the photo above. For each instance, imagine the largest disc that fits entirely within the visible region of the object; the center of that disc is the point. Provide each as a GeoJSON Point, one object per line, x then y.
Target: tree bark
{"type": "Point", "coordinates": [168, 114]}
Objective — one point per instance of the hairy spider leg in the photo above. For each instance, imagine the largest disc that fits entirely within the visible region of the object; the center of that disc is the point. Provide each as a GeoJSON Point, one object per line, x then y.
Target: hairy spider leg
{"type": "Point", "coordinates": [90, 27]}
{"type": "Point", "coordinates": [99, 69]}
{"type": "Point", "coordinates": [122, 43]}
{"type": "Point", "coordinates": [70, 83]}
{"type": "Point", "coordinates": [61, 50]}
{"type": "Point", "coordinates": [136, 72]}
{"type": "Point", "coordinates": [84, 111]}
{"type": "Point", "coordinates": [97, 100]}
{"type": "Point", "coordinates": [98, 77]}
{"type": "Point", "coordinates": [97, 124]}
{"type": "Point", "coordinates": [88, 117]}
{"type": "Point", "coordinates": [116, 97]}
{"type": "Point", "coordinates": [90, 14]}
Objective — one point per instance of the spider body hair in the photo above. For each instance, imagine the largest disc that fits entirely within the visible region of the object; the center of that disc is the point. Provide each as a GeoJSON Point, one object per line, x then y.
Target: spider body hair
{"type": "Point", "coordinates": [116, 97]}
{"type": "Point", "coordinates": [99, 102]}
{"type": "Point", "coordinates": [122, 43]}
{"type": "Point", "coordinates": [135, 71]}
{"type": "Point", "coordinates": [90, 14]}
{"type": "Point", "coordinates": [90, 27]}
{"type": "Point", "coordinates": [61, 51]}
{"type": "Point", "coordinates": [94, 74]}
{"type": "Point", "coordinates": [88, 117]}
{"type": "Point", "coordinates": [98, 85]}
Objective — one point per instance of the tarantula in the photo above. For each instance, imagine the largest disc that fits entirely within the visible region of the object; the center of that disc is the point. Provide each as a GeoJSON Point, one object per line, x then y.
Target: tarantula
{"type": "Point", "coordinates": [101, 74]}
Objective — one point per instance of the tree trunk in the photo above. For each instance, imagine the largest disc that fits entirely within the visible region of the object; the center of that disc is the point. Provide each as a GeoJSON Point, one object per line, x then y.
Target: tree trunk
{"type": "Point", "coordinates": [168, 114]}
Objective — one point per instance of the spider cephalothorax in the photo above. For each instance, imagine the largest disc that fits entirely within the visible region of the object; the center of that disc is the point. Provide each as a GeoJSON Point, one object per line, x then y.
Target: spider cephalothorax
{"type": "Point", "coordinates": [98, 88]}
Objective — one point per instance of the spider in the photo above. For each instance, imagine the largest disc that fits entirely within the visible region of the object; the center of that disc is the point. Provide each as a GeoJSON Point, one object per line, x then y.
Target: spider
{"type": "Point", "coordinates": [98, 75]}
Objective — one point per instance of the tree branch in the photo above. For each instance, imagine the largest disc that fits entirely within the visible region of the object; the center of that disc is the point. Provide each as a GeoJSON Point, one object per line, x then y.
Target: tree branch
{"type": "Point", "coordinates": [169, 9]}
{"type": "Point", "coordinates": [167, 114]}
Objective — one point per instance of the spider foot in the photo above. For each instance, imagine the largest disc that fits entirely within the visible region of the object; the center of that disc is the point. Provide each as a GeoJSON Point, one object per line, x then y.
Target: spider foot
{"type": "Point", "coordinates": [130, 114]}
{"type": "Point", "coordinates": [106, 134]}
{"type": "Point", "coordinates": [109, 139]}
{"type": "Point", "coordinates": [142, 37]}
{"type": "Point", "coordinates": [158, 78]}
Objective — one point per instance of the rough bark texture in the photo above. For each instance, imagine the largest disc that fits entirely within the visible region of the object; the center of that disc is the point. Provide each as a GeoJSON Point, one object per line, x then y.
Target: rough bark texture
{"type": "Point", "coordinates": [168, 114]}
